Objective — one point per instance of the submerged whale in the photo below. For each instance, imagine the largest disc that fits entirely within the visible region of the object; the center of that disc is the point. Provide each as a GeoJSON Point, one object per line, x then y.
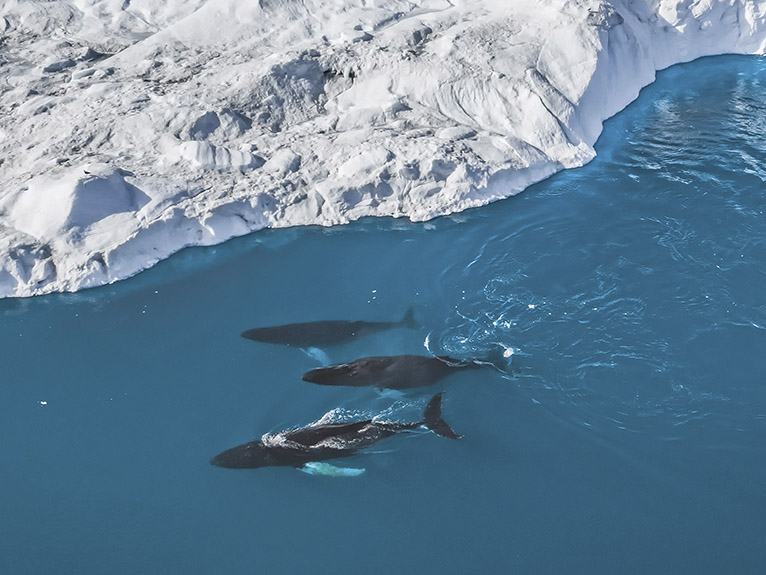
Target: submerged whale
{"type": "Point", "coordinates": [390, 371]}
{"type": "Point", "coordinates": [320, 442]}
{"type": "Point", "coordinates": [325, 333]}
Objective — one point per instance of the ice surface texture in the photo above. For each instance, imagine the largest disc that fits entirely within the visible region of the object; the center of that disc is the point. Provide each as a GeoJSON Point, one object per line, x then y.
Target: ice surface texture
{"type": "Point", "coordinates": [131, 129]}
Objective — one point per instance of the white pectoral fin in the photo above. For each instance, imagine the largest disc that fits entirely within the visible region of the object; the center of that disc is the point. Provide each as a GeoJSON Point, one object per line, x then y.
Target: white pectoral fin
{"type": "Point", "coordinates": [321, 468]}
{"type": "Point", "coordinates": [317, 354]}
{"type": "Point", "coordinates": [394, 394]}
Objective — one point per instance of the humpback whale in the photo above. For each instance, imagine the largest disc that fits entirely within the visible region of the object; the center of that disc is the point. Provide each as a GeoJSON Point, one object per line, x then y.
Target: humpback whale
{"type": "Point", "coordinates": [325, 333]}
{"type": "Point", "coordinates": [320, 442]}
{"type": "Point", "coordinates": [390, 372]}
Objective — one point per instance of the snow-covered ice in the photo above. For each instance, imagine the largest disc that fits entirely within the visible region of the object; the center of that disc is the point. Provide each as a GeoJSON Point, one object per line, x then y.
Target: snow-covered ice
{"type": "Point", "coordinates": [130, 129]}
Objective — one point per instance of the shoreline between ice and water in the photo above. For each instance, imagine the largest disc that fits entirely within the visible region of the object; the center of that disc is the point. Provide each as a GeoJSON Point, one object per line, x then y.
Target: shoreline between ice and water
{"type": "Point", "coordinates": [131, 131]}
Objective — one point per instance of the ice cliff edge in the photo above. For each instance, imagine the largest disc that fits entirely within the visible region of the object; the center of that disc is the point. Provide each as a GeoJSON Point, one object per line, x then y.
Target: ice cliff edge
{"type": "Point", "coordinates": [129, 130]}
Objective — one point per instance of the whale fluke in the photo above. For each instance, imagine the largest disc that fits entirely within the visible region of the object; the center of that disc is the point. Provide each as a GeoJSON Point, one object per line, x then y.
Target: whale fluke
{"type": "Point", "coordinates": [408, 320]}
{"type": "Point", "coordinates": [432, 418]}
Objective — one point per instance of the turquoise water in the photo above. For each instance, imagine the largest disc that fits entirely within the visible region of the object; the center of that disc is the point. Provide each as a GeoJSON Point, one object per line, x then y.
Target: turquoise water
{"type": "Point", "coordinates": [628, 437]}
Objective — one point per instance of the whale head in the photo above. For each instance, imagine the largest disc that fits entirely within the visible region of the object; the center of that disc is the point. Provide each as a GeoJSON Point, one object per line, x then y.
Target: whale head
{"type": "Point", "coordinates": [331, 375]}
{"type": "Point", "coordinates": [245, 456]}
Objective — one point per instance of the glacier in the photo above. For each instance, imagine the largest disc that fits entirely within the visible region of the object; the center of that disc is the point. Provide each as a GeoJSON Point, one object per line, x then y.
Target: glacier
{"type": "Point", "coordinates": [130, 129]}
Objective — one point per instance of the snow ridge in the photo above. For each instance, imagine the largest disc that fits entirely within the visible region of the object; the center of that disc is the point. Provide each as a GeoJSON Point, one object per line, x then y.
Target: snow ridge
{"type": "Point", "coordinates": [131, 129]}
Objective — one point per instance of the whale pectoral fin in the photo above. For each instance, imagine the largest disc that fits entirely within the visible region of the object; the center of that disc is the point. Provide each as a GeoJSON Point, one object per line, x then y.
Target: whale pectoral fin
{"type": "Point", "coordinates": [318, 354]}
{"type": "Point", "coordinates": [384, 393]}
{"type": "Point", "coordinates": [321, 468]}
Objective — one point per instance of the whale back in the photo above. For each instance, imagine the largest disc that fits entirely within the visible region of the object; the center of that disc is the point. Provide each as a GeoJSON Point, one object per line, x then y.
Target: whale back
{"type": "Point", "coordinates": [325, 333]}
{"type": "Point", "coordinates": [315, 434]}
{"type": "Point", "coordinates": [390, 372]}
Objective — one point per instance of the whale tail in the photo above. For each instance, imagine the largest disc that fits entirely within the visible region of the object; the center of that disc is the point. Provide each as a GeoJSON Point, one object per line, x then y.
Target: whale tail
{"type": "Point", "coordinates": [432, 418]}
{"type": "Point", "coordinates": [408, 320]}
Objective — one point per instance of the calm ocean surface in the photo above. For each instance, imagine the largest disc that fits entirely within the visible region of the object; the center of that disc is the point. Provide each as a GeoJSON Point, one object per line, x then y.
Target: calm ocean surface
{"type": "Point", "coordinates": [628, 437]}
